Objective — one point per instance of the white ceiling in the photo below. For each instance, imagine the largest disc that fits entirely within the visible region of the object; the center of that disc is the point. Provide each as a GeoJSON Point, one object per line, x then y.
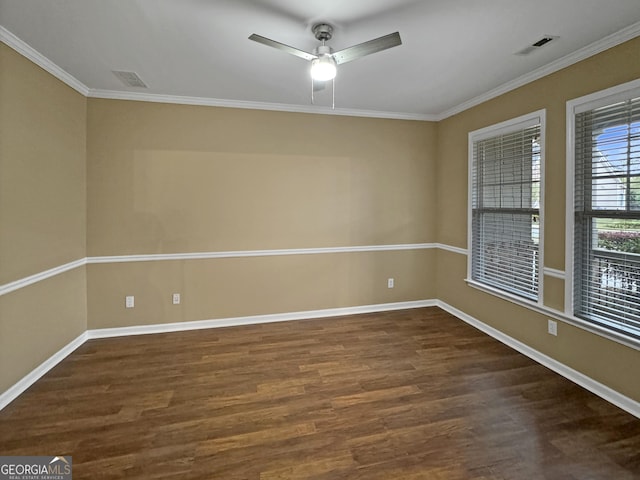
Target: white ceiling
{"type": "Point", "coordinates": [455, 53]}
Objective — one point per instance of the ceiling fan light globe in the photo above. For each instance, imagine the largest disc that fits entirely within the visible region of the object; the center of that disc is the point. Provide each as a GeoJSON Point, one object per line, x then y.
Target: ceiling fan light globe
{"type": "Point", "coordinates": [323, 68]}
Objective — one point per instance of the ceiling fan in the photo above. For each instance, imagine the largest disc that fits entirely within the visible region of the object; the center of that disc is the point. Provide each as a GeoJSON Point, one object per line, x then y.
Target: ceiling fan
{"type": "Point", "coordinates": [324, 60]}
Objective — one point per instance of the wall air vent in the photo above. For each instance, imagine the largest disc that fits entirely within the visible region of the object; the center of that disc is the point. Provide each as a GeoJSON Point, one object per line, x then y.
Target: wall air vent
{"type": "Point", "coordinates": [130, 79]}
{"type": "Point", "coordinates": [538, 44]}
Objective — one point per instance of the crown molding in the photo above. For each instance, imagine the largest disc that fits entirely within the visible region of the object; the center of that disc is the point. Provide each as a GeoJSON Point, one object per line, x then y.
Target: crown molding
{"type": "Point", "coordinates": [43, 62]}
{"type": "Point", "coordinates": [610, 41]}
{"type": "Point", "coordinates": [36, 57]}
{"type": "Point", "coordinates": [277, 107]}
{"type": "Point", "coordinates": [599, 46]}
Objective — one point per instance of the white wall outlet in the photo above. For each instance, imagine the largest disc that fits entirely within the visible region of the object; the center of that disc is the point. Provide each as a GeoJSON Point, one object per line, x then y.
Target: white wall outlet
{"type": "Point", "coordinates": [129, 301]}
{"type": "Point", "coordinates": [390, 283]}
{"type": "Point", "coordinates": [552, 327]}
{"type": "Point", "coordinates": [175, 299]}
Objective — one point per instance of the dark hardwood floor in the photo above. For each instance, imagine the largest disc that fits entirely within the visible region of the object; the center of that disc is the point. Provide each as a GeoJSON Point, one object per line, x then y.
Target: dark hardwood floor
{"type": "Point", "coordinates": [413, 394]}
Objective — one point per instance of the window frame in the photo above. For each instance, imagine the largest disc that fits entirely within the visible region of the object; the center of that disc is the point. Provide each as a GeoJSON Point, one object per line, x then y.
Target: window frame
{"type": "Point", "coordinates": [509, 126]}
{"type": "Point", "coordinates": [574, 107]}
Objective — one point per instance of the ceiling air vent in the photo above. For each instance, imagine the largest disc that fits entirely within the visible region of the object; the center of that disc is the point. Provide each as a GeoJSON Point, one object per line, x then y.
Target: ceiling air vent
{"type": "Point", "coordinates": [538, 44]}
{"type": "Point", "coordinates": [130, 79]}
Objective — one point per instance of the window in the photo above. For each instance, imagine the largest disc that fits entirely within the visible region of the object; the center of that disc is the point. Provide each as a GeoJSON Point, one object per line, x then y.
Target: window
{"type": "Point", "coordinates": [606, 212]}
{"type": "Point", "coordinates": [505, 213]}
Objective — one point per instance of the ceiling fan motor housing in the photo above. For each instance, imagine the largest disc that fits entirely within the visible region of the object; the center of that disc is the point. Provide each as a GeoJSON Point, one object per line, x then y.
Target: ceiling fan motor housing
{"type": "Point", "coordinates": [323, 31]}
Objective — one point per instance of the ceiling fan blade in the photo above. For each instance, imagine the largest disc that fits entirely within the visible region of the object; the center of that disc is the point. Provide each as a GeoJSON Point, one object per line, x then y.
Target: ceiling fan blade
{"type": "Point", "coordinates": [367, 48]}
{"type": "Point", "coordinates": [282, 46]}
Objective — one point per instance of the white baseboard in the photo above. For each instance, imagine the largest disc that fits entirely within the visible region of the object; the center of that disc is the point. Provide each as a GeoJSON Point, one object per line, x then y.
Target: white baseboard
{"type": "Point", "coordinates": [608, 394]}
{"type": "Point", "coordinates": [16, 390]}
{"type": "Point", "coordinates": [255, 319]}
{"type": "Point", "coordinates": [597, 388]}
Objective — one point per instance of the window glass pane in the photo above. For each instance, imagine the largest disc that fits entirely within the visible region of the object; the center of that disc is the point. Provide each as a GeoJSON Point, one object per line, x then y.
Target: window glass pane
{"type": "Point", "coordinates": [535, 174]}
{"type": "Point", "coordinates": [609, 193]}
{"type": "Point", "coordinates": [615, 143]}
{"type": "Point", "coordinates": [617, 235]}
{"type": "Point", "coordinates": [634, 184]}
{"type": "Point", "coordinates": [616, 168]}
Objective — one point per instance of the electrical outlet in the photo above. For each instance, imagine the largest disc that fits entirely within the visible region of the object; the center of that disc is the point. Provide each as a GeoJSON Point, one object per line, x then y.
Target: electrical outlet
{"type": "Point", "coordinates": [129, 301]}
{"type": "Point", "coordinates": [552, 327]}
{"type": "Point", "coordinates": [175, 298]}
{"type": "Point", "coordinates": [390, 283]}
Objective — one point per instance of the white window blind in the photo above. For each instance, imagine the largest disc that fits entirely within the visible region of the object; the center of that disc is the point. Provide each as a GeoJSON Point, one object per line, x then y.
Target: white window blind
{"type": "Point", "coordinates": [607, 216]}
{"type": "Point", "coordinates": [505, 210]}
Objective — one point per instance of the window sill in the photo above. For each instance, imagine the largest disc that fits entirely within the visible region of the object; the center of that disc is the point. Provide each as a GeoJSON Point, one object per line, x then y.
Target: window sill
{"type": "Point", "coordinates": [558, 315]}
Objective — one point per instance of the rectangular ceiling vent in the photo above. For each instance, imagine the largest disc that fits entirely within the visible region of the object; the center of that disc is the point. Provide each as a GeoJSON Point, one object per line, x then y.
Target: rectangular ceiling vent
{"type": "Point", "coordinates": [130, 79]}
{"type": "Point", "coordinates": [536, 45]}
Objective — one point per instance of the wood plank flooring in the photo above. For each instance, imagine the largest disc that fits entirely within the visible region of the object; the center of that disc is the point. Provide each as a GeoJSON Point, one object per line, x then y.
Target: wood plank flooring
{"type": "Point", "coordinates": [412, 394]}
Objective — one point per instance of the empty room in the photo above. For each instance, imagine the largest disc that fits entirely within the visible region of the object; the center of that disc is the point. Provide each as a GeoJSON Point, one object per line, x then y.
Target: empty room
{"type": "Point", "coordinates": [261, 240]}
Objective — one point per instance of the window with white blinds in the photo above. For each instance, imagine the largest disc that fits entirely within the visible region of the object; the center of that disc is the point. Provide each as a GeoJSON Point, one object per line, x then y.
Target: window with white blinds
{"type": "Point", "coordinates": [505, 166]}
{"type": "Point", "coordinates": [606, 249]}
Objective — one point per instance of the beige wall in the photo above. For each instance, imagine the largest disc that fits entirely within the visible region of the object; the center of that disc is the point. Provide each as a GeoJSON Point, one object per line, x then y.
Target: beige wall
{"type": "Point", "coordinates": [606, 361]}
{"type": "Point", "coordinates": [235, 287]}
{"type": "Point", "coordinates": [172, 178]}
{"type": "Point", "coordinates": [39, 320]}
{"type": "Point", "coordinates": [168, 178]}
{"type": "Point", "coordinates": [42, 213]}
{"type": "Point", "coordinates": [164, 178]}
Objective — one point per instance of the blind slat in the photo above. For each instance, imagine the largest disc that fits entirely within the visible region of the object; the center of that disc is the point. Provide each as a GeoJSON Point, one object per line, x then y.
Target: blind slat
{"type": "Point", "coordinates": [505, 211]}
